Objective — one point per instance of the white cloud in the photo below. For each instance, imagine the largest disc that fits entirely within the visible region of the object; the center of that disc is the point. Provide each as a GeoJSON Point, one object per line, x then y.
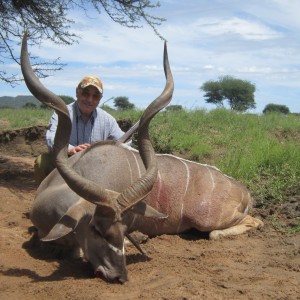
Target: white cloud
{"type": "Point", "coordinates": [247, 30]}
{"type": "Point", "coordinates": [254, 40]}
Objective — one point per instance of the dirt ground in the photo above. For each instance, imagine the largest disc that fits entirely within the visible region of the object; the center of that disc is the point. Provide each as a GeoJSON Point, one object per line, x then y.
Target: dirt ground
{"type": "Point", "coordinates": [262, 264]}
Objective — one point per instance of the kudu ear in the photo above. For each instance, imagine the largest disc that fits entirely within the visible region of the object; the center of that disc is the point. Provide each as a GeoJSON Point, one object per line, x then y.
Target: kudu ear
{"type": "Point", "coordinates": [68, 221]}
{"type": "Point", "coordinates": [146, 210]}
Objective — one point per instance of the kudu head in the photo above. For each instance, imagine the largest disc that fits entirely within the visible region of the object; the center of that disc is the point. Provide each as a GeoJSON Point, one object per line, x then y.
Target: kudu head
{"type": "Point", "coordinates": [102, 239]}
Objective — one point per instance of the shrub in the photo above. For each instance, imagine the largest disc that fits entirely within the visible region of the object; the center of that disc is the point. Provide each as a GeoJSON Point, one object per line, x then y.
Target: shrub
{"type": "Point", "coordinates": [283, 109]}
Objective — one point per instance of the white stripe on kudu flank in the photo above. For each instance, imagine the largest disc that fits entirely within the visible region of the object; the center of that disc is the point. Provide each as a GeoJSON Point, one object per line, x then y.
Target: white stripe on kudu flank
{"type": "Point", "coordinates": [241, 201]}
{"type": "Point", "coordinates": [212, 178]}
{"type": "Point", "coordinates": [130, 169]}
{"type": "Point", "coordinates": [207, 201]}
{"type": "Point", "coordinates": [137, 164]}
{"type": "Point", "coordinates": [159, 186]}
{"type": "Point", "coordinates": [185, 191]}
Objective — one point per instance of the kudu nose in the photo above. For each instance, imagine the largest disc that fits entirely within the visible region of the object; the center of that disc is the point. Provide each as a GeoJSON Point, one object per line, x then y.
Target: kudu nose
{"type": "Point", "coordinates": [123, 278]}
{"type": "Point", "coordinates": [120, 278]}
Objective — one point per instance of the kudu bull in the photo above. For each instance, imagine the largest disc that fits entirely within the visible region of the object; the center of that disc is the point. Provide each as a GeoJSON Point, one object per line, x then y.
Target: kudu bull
{"type": "Point", "coordinates": [97, 197]}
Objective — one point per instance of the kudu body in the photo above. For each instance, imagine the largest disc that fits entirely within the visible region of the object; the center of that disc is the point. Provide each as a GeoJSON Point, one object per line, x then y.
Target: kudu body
{"type": "Point", "coordinates": [97, 197]}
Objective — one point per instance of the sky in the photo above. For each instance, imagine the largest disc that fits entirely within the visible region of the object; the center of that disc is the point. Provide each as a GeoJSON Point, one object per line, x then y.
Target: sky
{"type": "Point", "coordinates": [257, 41]}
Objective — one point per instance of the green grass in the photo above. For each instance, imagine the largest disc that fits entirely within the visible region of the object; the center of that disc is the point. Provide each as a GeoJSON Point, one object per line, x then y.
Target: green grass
{"type": "Point", "coordinates": [296, 228]}
{"type": "Point", "coordinates": [20, 118]}
{"type": "Point", "coordinates": [261, 151]}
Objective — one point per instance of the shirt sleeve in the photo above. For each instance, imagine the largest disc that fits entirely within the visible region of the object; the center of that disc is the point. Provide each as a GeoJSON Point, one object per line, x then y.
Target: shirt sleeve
{"type": "Point", "coordinates": [105, 127]}
{"type": "Point", "coordinates": [50, 133]}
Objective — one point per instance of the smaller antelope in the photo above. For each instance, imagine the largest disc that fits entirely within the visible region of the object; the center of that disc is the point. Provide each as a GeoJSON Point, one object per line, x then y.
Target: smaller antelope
{"type": "Point", "coordinates": [100, 195]}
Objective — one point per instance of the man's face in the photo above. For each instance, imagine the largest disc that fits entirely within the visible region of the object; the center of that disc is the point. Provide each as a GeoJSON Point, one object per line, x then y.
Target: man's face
{"type": "Point", "coordinates": [88, 99]}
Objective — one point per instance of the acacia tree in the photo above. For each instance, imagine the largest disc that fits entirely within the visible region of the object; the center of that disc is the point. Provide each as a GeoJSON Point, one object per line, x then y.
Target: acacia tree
{"type": "Point", "coordinates": [122, 103]}
{"type": "Point", "coordinates": [48, 20]}
{"type": "Point", "coordinates": [174, 107]}
{"type": "Point", "coordinates": [213, 92]}
{"type": "Point", "coordinates": [279, 108]}
{"type": "Point", "coordinates": [30, 105]}
{"type": "Point", "coordinates": [239, 93]}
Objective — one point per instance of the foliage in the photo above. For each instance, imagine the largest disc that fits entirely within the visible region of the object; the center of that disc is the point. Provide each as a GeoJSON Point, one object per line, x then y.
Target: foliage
{"type": "Point", "coordinates": [66, 99]}
{"type": "Point", "coordinates": [239, 93]}
{"type": "Point", "coordinates": [173, 107]}
{"type": "Point", "coordinates": [133, 115]}
{"type": "Point", "coordinates": [107, 108]}
{"type": "Point", "coordinates": [283, 109]}
{"type": "Point", "coordinates": [122, 103]}
{"type": "Point", "coordinates": [30, 105]}
{"type": "Point", "coordinates": [296, 228]}
{"type": "Point", "coordinates": [48, 20]}
{"type": "Point", "coordinates": [262, 151]}
{"type": "Point", "coordinates": [213, 93]}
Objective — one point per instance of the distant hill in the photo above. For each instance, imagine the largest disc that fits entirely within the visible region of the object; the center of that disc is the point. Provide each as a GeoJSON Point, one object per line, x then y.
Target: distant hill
{"type": "Point", "coordinates": [18, 101]}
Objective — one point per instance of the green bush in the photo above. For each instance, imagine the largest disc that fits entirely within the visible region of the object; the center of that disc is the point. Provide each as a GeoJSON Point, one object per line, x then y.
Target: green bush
{"type": "Point", "coordinates": [276, 108]}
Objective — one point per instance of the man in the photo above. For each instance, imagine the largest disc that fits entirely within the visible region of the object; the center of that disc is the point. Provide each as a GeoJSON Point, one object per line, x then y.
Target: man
{"type": "Point", "coordinates": [89, 124]}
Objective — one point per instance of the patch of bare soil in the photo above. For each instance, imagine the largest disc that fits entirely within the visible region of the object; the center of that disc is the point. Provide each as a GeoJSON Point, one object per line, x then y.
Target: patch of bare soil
{"type": "Point", "coordinates": [262, 264]}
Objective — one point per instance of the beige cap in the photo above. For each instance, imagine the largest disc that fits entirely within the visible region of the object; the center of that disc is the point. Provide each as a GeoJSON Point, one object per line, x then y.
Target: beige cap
{"type": "Point", "coordinates": [91, 80]}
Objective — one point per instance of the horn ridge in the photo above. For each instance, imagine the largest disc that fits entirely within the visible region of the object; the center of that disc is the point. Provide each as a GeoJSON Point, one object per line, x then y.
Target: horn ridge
{"type": "Point", "coordinates": [85, 188]}
{"type": "Point", "coordinates": [143, 186]}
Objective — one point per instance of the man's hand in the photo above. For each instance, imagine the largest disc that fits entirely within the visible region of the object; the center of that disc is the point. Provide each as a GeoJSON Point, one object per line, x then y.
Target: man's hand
{"type": "Point", "coordinates": [78, 148]}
